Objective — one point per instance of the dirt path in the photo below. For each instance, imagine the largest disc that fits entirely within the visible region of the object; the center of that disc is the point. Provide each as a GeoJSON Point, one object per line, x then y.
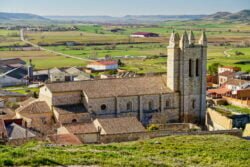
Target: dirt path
{"type": "Point", "coordinates": [226, 52]}
{"type": "Point", "coordinates": [51, 51]}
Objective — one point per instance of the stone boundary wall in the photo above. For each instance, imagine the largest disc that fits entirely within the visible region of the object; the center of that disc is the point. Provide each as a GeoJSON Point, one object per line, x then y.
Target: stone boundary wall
{"type": "Point", "coordinates": [138, 136]}
{"type": "Point", "coordinates": [217, 121]}
{"type": "Point", "coordinates": [238, 102]}
{"type": "Point", "coordinates": [161, 133]}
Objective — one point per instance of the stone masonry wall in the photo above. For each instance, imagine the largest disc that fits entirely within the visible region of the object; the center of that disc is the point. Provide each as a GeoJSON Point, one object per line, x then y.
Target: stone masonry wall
{"type": "Point", "coordinates": [67, 98]}
{"type": "Point", "coordinates": [216, 121]}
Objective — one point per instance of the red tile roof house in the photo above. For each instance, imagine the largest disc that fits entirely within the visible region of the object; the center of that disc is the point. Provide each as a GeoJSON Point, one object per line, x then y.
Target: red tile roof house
{"type": "Point", "coordinates": [229, 88]}
{"type": "Point", "coordinates": [228, 68]}
{"type": "Point", "coordinates": [237, 84]}
{"type": "Point", "coordinates": [144, 35]}
{"type": "Point", "coordinates": [225, 76]}
{"type": "Point", "coordinates": [103, 65]}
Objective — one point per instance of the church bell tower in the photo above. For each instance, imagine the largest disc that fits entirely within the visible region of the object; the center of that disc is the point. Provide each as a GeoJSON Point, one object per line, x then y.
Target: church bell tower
{"type": "Point", "coordinates": [186, 74]}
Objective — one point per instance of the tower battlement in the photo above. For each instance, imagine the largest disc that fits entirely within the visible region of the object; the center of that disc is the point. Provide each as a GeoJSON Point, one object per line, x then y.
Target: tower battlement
{"type": "Point", "coordinates": [187, 40]}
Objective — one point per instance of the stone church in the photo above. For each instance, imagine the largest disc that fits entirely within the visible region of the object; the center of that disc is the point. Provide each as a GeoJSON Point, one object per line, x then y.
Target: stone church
{"type": "Point", "coordinates": [179, 96]}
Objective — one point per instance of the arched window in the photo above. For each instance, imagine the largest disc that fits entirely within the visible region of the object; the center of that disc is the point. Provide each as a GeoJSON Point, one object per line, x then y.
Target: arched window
{"type": "Point", "coordinates": [103, 107]}
{"type": "Point", "coordinates": [190, 67]}
{"type": "Point", "coordinates": [197, 67]}
{"type": "Point", "coordinates": [151, 105]}
{"type": "Point", "coordinates": [129, 106]}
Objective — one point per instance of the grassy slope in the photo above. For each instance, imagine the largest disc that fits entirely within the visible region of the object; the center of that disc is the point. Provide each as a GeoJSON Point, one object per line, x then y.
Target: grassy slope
{"type": "Point", "coordinates": [22, 90]}
{"type": "Point", "coordinates": [216, 55]}
{"type": "Point", "coordinates": [213, 150]}
{"type": "Point", "coordinates": [237, 109]}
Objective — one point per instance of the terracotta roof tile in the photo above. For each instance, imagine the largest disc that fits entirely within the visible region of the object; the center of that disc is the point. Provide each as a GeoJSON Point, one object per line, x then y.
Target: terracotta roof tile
{"type": "Point", "coordinates": [220, 91]}
{"type": "Point", "coordinates": [6, 113]}
{"type": "Point", "coordinates": [65, 139]}
{"type": "Point", "coordinates": [34, 108]}
{"type": "Point", "coordinates": [236, 82]}
{"type": "Point", "coordinates": [81, 128]}
{"type": "Point", "coordinates": [226, 73]}
{"type": "Point", "coordinates": [115, 87]}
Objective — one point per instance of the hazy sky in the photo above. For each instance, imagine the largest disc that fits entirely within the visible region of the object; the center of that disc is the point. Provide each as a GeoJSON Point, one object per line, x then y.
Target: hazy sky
{"type": "Point", "coordinates": [121, 7]}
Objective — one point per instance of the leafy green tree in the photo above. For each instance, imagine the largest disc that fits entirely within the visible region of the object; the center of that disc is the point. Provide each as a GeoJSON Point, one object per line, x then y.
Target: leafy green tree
{"type": "Point", "coordinates": [213, 68]}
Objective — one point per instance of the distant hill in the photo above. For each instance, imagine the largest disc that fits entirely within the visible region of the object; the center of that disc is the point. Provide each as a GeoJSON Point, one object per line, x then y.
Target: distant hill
{"type": "Point", "coordinates": [126, 19]}
{"type": "Point", "coordinates": [6, 17]}
{"type": "Point", "coordinates": [243, 15]}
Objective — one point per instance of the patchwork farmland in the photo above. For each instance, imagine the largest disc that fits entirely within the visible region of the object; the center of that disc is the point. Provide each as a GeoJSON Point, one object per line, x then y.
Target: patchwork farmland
{"type": "Point", "coordinates": [141, 55]}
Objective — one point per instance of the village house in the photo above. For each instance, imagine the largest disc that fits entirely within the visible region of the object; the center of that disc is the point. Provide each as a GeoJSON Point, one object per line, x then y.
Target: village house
{"type": "Point", "coordinates": [17, 132]}
{"type": "Point", "coordinates": [236, 84]}
{"type": "Point", "coordinates": [56, 75]}
{"type": "Point", "coordinates": [60, 75]}
{"type": "Point", "coordinates": [230, 88]}
{"type": "Point", "coordinates": [225, 76]}
{"type": "Point", "coordinates": [13, 131]}
{"type": "Point", "coordinates": [144, 35]}
{"type": "Point", "coordinates": [123, 125]}
{"type": "Point", "coordinates": [37, 115]}
{"type": "Point", "coordinates": [228, 68]}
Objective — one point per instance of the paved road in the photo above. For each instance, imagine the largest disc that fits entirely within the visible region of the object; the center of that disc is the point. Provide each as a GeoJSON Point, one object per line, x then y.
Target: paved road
{"type": "Point", "coordinates": [51, 51]}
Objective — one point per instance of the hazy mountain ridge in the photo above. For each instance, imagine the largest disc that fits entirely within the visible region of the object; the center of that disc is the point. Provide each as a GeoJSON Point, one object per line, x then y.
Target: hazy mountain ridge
{"type": "Point", "coordinates": [242, 15]}
{"type": "Point", "coordinates": [126, 19]}
{"type": "Point", "coordinates": [21, 16]}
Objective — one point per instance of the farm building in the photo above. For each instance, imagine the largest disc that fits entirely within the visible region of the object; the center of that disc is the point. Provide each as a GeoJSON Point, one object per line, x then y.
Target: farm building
{"type": "Point", "coordinates": [117, 30]}
{"type": "Point", "coordinates": [103, 65]}
{"type": "Point", "coordinates": [12, 72]}
{"type": "Point", "coordinates": [60, 75]}
{"type": "Point", "coordinates": [144, 35]}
